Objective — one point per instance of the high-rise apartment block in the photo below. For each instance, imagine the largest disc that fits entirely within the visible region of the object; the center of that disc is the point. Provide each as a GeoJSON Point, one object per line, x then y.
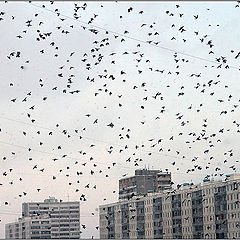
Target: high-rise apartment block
{"type": "Point", "coordinates": [51, 219]}
{"type": "Point", "coordinates": [144, 182]}
{"type": "Point", "coordinates": [208, 210]}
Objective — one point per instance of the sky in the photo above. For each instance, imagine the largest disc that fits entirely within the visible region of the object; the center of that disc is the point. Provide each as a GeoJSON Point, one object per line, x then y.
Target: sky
{"type": "Point", "coordinates": [91, 91]}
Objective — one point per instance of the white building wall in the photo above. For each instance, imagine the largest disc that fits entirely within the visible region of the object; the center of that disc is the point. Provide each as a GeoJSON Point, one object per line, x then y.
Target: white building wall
{"type": "Point", "coordinates": [103, 223]}
{"type": "Point", "coordinates": [167, 216]}
{"type": "Point", "coordinates": [233, 209]}
{"type": "Point", "coordinates": [208, 211]}
{"type": "Point", "coordinates": [118, 221]}
{"type": "Point", "coordinates": [132, 220]}
{"type": "Point", "coordinates": [186, 207]}
{"type": "Point", "coordinates": [148, 203]}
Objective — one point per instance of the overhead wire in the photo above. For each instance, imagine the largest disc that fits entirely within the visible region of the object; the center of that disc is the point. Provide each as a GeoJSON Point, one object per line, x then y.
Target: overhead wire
{"type": "Point", "coordinates": [133, 38]}
{"type": "Point", "coordinates": [92, 139]}
{"type": "Point", "coordinates": [126, 167]}
{"type": "Point", "coordinates": [91, 25]}
{"type": "Point", "coordinates": [101, 28]}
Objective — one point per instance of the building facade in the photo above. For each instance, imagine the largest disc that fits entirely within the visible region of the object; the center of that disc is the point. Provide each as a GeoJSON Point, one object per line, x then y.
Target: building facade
{"type": "Point", "coordinates": [210, 210]}
{"type": "Point", "coordinates": [144, 182]}
{"type": "Point", "coordinates": [51, 219]}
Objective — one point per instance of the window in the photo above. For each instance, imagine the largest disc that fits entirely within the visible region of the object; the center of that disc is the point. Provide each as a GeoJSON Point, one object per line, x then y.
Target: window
{"type": "Point", "coordinates": [35, 222]}
{"type": "Point", "coordinates": [35, 227]}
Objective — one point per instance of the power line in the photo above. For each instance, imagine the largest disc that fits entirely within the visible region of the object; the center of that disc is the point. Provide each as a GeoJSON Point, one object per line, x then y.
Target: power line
{"type": "Point", "coordinates": [127, 167]}
{"type": "Point", "coordinates": [92, 139]}
{"type": "Point", "coordinates": [166, 155]}
{"type": "Point", "coordinates": [19, 146]}
{"type": "Point", "coordinates": [125, 36]}
{"type": "Point", "coordinates": [135, 39]}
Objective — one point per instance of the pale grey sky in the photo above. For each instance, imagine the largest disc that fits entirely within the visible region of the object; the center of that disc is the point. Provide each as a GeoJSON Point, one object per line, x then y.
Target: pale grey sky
{"type": "Point", "coordinates": [148, 103]}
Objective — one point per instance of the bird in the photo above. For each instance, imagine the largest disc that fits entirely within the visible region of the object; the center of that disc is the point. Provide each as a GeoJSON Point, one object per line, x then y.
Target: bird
{"type": "Point", "coordinates": [111, 103]}
{"type": "Point", "coordinates": [111, 125]}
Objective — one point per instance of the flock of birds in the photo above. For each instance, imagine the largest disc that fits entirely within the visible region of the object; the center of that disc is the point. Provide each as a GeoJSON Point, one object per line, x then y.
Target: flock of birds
{"type": "Point", "coordinates": [130, 96]}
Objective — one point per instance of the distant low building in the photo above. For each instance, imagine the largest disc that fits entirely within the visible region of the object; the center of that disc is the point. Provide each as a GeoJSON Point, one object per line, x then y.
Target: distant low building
{"type": "Point", "coordinates": [29, 227]}
{"type": "Point", "coordinates": [208, 210]}
{"type": "Point", "coordinates": [145, 181]}
{"type": "Point", "coordinates": [51, 219]}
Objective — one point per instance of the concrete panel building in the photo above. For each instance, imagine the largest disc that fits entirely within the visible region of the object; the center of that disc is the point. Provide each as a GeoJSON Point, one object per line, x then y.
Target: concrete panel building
{"type": "Point", "coordinates": [210, 210]}
{"type": "Point", "coordinates": [51, 219]}
{"type": "Point", "coordinates": [143, 182]}
{"type": "Point", "coordinates": [27, 228]}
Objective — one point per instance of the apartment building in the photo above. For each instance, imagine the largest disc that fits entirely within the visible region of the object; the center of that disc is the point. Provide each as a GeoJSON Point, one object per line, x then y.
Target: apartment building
{"type": "Point", "coordinates": [51, 219]}
{"type": "Point", "coordinates": [27, 228]}
{"type": "Point", "coordinates": [143, 182]}
{"type": "Point", "coordinates": [210, 210]}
